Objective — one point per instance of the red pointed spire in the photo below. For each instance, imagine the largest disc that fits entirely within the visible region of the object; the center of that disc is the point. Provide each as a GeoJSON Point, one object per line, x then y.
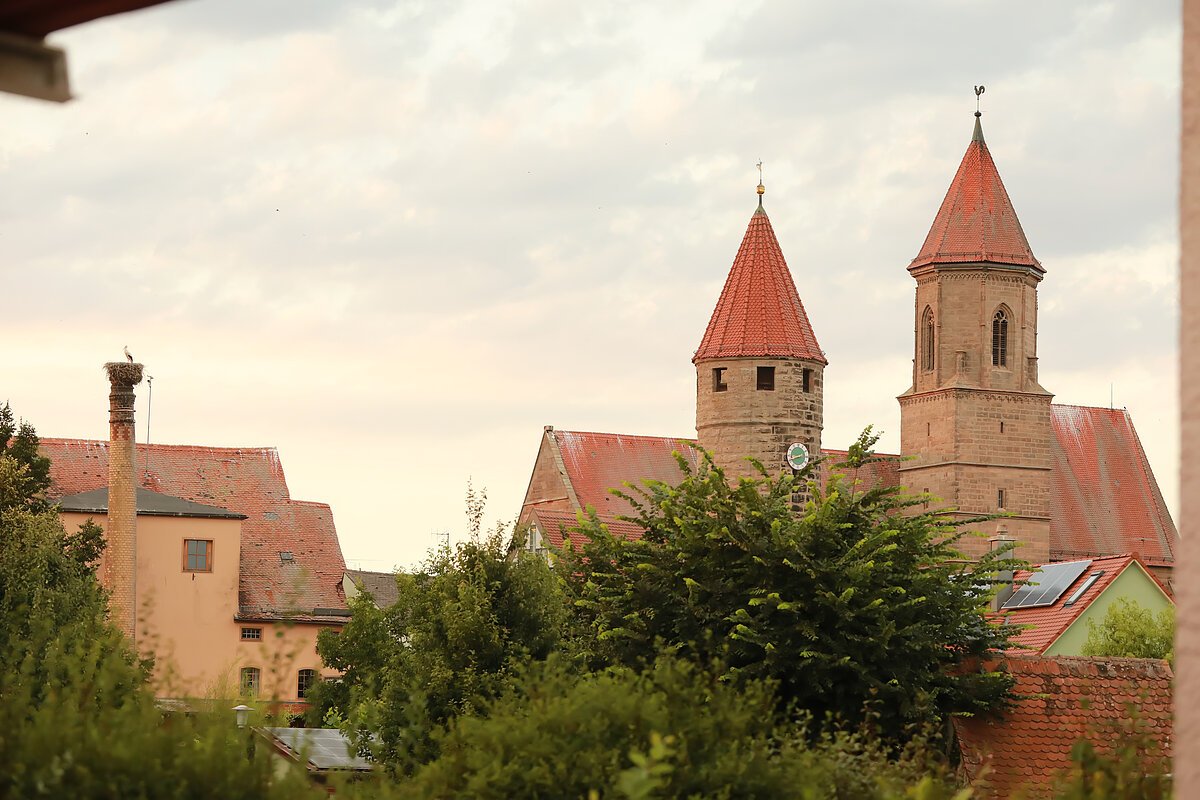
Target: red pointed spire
{"type": "Point", "coordinates": [976, 221]}
{"type": "Point", "coordinates": [759, 312]}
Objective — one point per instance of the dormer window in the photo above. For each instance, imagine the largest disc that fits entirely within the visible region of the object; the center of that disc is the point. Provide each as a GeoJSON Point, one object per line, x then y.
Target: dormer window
{"type": "Point", "coordinates": [766, 379]}
{"type": "Point", "coordinates": [1000, 338]}
{"type": "Point", "coordinates": [719, 384]}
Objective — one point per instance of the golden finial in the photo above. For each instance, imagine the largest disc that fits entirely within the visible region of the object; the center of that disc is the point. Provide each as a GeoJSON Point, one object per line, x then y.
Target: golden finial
{"type": "Point", "coordinates": [761, 189]}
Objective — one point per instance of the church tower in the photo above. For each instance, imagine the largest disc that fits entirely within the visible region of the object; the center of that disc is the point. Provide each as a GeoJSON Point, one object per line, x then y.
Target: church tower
{"type": "Point", "coordinates": [976, 422]}
{"type": "Point", "coordinates": [759, 369]}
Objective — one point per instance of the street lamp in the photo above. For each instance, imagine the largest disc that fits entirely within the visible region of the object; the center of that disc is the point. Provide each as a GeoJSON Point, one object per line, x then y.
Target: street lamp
{"type": "Point", "coordinates": [242, 712]}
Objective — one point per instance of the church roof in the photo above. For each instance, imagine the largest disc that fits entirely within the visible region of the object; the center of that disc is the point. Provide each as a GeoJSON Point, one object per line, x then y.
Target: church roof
{"type": "Point", "coordinates": [759, 312]}
{"type": "Point", "coordinates": [244, 480]}
{"type": "Point", "coordinates": [1056, 702]}
{"type": "Point", "coordinates": [976, 222]}
{"type": "Point", "coordinates": [1103, 496]}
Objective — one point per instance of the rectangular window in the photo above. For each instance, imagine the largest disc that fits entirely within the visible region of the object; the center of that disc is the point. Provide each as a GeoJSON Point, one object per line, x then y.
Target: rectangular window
{"type": "Point", "coordinates": [719, 384]}
{"type": "Point", "coordinates": [766, 379]}
{"type": "Point", "coordinates": [251, 634]}
{"type": "Point", "coordinates": [305, 681]}
{"type": "Point", "coordinates": [999, 498]}
{"type": "Point", "coordinates": [807, 379]}
{"type": "Point", "coordinates": [197, 555]}
{"type": "Point", "coordinates": [250, 680]}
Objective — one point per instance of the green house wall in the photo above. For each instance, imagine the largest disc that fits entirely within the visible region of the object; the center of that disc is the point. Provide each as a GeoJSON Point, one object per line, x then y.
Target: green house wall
{"type": "Point", "coordinates": [1133, 584]}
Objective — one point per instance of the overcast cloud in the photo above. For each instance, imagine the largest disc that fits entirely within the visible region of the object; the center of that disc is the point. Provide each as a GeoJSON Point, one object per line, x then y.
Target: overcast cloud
{"type": "Point", "coordinates": [396, 239]}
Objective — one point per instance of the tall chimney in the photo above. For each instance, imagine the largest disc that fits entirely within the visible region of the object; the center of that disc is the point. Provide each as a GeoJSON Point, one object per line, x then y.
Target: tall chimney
{"type": "Point", "coordinates": [120, 560]}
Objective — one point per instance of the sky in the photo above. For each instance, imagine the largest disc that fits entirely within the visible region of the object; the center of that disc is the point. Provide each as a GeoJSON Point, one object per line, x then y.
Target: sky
{"type": "Point", "coordinates": [395, 240]}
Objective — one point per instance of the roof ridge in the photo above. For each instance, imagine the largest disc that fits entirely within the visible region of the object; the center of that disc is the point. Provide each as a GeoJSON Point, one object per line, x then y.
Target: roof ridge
{"type": "Point", "coordinates": [690, 439]}
{"type": "Point", "coordinates": [164, 445]}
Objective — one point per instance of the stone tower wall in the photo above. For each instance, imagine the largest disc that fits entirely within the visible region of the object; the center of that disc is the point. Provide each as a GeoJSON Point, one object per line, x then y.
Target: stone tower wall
{"type": "Point", "coordinates": [746, 422]}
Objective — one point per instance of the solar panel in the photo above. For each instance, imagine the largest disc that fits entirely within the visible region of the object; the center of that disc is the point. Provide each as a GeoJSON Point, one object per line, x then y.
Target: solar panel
{"type": "Point", "coordinates": [1047, 585]}
{"type": "Point", "coordinates": [324, 748]}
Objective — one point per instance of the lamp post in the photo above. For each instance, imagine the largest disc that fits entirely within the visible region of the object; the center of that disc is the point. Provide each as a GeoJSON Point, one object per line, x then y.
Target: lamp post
{"type": "Point", "coordinates": [242, 714]}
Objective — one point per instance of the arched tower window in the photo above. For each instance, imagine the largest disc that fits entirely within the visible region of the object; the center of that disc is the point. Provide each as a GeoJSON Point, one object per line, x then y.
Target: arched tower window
{"type": "Point", "coordinates": [1000, 338]}
{"type": "Point", "coordinates": [927, 340]}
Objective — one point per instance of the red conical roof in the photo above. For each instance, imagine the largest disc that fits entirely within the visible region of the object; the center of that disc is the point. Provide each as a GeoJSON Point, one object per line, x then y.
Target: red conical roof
{"type": "Point", "coordinates": [759, 312]}
{"type": "Point", "coordinates": [976, 221]}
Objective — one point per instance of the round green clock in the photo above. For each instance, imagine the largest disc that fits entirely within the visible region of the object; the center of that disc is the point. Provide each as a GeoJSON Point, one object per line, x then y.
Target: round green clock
{"type": "Point", "coordinates": [797, 456]}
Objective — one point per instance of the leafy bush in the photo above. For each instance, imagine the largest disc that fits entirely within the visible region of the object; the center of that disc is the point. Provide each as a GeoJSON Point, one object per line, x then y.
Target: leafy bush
{"type": "Point", "coordinates": [672, 731]}
{"type": "Point", "coordinates": [848, 606]}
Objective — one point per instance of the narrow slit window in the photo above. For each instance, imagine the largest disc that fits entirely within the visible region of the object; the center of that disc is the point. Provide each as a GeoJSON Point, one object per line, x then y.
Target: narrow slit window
{"type": "Point", "coordinates": [806, 379]}
{"type": "Point", "coordinates": [1002, 426]}
{"type": "Point", "coordinates": [766, 379]}
{"type": "Point", "coordinates": [719, 384]}
{"type": "Point", "coordinates": [1000, 498]}
{"type": "Point", "coordinates": [1000, 338]}
{"type": "Point", "coordinates": [927, 340]}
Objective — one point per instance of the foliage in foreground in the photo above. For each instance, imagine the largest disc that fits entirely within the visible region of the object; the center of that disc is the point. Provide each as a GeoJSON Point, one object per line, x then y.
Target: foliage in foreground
{"type": "Point", "coordinates": [461, 626]}
{"type": "Point", "coordinates": [1129, 630]}
{"type": "Point", "coordinates": [673, 730]}
{"type": "Point", "coordinates": [851, 607]}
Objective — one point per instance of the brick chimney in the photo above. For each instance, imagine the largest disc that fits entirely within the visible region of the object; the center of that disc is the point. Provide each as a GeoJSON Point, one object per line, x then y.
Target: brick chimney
{"type": "Point", "coordinates": [120, 559]}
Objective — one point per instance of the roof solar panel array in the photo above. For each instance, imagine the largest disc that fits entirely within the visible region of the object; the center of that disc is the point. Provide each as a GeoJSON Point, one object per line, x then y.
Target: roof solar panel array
{"type": "Point", "coordinates": [1047, 585]}
{"type": "Point", "coordinates": [324, 748]}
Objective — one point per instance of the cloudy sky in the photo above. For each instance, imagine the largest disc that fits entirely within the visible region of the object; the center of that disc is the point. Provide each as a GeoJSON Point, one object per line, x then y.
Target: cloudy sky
{"type": "Point", "coordinates": [396, 239]}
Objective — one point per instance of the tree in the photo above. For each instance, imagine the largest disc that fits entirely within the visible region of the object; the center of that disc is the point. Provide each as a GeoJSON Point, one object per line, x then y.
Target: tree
{"type": "Point", "coordinates": [20, 443]}
{"type": "Point", "coordinates": [1130, 630]}
{"type": "Point", "coordinates": [860, 605]}
{"type": "Point", "coordinates": [460, 627]}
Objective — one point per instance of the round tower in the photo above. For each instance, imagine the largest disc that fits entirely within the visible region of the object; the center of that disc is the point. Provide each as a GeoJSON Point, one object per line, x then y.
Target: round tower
{"type": "Point", "coordinates": [759, 370]}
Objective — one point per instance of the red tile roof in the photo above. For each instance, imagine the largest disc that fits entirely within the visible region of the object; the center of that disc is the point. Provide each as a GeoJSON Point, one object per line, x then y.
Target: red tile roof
{"type": "Point", "coordinates": [759, 312]}
{"type": "Point", "coordinates": [556, 526]}
{"type": "Point", "coordinates": [976, 222]}
{"type": "Point", "coordinates": [248, 481]}
{"type": "Point", "coordinates": [1060, 701]}
{"type": "Point", "coordinates": [1104, 498]}
{"type": "Point", "coordinates": [597, 462]}
{"type": "Point", "coordinates": [1047, 623]}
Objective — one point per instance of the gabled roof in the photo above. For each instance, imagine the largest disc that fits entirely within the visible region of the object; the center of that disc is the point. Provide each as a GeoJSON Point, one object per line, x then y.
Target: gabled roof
{"type": "Point", "coordinates": [759, 312]}
{"type": "Point", "coordinates": [153, 504]}
{"type": "Point", "coordinates": [976, 221]}
{"type": "Point", "coordinates": [380, 585]}
{"type": "Point", "coordinates": [1059, 701]}
{"type": "Point", "coordinates": [1104, 498]}
{"type": "Point", "coordinates": [1048, 623]}
{"type": "Point", "coordinates": [244, 480]}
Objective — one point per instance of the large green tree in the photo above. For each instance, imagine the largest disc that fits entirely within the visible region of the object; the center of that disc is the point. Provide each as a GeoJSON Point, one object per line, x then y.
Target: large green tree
{"type": "Point", "coordinates": [1130, 630]}
{"type": "Point", "coordinates": [859, 605]}
{"type": "Point", "coordinates": [19, 442]}
{"type": "Point", "coordinates": [461, 625]}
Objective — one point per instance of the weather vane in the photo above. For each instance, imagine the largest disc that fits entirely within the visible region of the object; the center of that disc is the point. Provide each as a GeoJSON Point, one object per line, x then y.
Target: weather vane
{"type": "Point", "coordinates": [978, 91]}
{"type": "Point", "coordinates": [761, 188]}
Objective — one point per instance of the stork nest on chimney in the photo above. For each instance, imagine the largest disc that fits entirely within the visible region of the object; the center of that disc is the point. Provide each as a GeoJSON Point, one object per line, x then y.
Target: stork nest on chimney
{"type": "Point", "coordinates": [123, 373]}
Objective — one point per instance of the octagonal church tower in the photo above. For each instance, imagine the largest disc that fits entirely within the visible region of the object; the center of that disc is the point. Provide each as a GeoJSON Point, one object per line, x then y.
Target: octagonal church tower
{"type": "Point", "coordinates": [759, 369]}
{"type": "Point", "coordinates": [975, 424]}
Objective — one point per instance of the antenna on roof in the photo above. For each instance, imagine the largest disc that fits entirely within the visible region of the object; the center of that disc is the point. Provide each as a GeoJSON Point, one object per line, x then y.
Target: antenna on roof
{"type": "Point", "coordinates": [149, 404]}
{"type": "Point", "coordinates": [1110, 397]}
{"type": "Point", "coordinates": [443, 538]}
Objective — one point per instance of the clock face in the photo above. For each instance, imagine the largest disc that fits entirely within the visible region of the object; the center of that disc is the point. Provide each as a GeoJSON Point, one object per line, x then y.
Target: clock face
{"type": "Point", "coordinates": [797, 456]}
